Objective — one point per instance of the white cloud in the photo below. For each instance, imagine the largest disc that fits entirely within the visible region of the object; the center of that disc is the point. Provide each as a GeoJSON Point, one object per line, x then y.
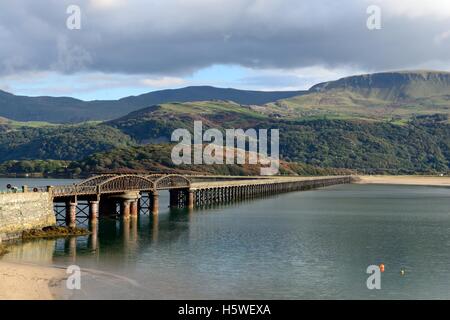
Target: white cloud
{"type": "Point", "coordinates": [293, 79]}
{"type": "Point", "coordinates": [71, 57]}
{"type": "Point", "coordinates": [85, 85]}
{"type": "Point", "coordinates": [5, 87]}
{"type": "Point", "coordinates": [163, 41]}
{"type": "Point", "coordinates": [106, 4]}
{"type": "Point", "coordinates": [415, 8]}
{"type": "Point", "coordinates": [442, 38]}
{"type": "Point", "coordinates": [164, 82]}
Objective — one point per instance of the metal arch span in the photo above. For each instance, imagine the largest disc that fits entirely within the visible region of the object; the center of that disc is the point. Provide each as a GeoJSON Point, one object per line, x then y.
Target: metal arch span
{"type": "Point", "coordinates": [95, 180]}
{"type": "Point", "coordinates": [172, 181]}
{"type": "Point", "coordinates": [155, 176]}
{"type": "Point", "coordinates": [126, 183]}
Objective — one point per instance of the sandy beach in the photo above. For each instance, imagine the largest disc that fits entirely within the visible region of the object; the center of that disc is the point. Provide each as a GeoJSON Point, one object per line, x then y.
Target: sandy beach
{"type": "Point", "coordinates": [406, 180]}
{"type": "Point", "coordinates": [27, 282]}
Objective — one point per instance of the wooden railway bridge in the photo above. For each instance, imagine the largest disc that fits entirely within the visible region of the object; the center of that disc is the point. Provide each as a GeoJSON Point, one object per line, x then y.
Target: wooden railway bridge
{"type": "Point", "coordinates": [129, 194]}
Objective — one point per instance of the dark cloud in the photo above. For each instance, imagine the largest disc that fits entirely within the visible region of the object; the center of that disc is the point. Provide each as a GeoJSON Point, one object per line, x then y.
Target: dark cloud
{"type": "Point", "coordinates": [173, 37]}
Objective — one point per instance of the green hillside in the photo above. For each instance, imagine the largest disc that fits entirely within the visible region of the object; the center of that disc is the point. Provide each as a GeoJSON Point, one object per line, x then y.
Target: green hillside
{"type": "Point", "coordinates": [393, 86]}
{"type": "Point", "coordinates": [156, 124]}
{"type": "Point", "coordinates": [383, 96]}
{"type": "Point", "coordinates": [418, 145]}
{"type": "Point", "coordinates": [59, 142]}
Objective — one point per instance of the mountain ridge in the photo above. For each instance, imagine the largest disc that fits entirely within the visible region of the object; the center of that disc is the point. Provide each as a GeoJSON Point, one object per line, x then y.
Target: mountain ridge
{"type": "Point", "coordinates": [383, 95]}
{"type": "Point", "coordinates": [390, 80]}
{"type": "Point", "coordinates": [71, 110]}
{"type": "Point", "coordinates": [380, 96]}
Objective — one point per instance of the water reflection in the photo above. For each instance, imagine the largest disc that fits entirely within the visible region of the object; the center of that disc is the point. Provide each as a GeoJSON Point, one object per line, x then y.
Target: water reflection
{"type": "Point", "coordinates": [154, 228]}
{"type": "Point", "coordinates": [39, 251]}
{"type": "Point", "coordinates": [93, 238]}
{"type": "Point", "coordinates": [128, 235]}
{"type": "Point", "coordinates": [124, 236]}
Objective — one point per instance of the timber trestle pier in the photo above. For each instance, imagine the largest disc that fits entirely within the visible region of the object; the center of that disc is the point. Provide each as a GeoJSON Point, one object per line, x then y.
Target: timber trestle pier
{"type": "Point", "coordinates": [128, 195]}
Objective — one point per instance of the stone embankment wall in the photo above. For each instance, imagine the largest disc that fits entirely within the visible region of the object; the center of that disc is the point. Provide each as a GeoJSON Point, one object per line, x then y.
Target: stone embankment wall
{"type": "Point", "coordinates": [24, 211]}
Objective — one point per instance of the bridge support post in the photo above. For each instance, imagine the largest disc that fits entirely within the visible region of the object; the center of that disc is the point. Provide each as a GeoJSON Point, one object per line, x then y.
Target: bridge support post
{"type": "Point", "coordinates": [190, 200]}
{"type": "Point", "coordinates": [134, 209]}
{"type": "Point", "coordinates": [125, 208]}
{"type": "Point", "coordinates": [71, 214]}
{"type": "Point", "coordinates": [93, 211]}
{"type": "Point", "coordinates": [155, 202]}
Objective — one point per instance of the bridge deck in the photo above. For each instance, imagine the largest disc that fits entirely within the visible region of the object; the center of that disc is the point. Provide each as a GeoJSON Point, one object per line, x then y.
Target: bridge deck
{"type": "Point", "coordinates": [260, 181]}
{"type": "Point", "coordinates": [116, 184]}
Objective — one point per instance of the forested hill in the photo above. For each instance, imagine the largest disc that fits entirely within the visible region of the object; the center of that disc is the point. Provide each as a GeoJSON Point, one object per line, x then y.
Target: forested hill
{"type": "Point", "coordinates": [421, 145]}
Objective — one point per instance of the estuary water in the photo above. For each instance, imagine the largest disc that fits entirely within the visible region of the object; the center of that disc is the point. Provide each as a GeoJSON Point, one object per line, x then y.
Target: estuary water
{"type": "Point", "coordinates": [302, 245]}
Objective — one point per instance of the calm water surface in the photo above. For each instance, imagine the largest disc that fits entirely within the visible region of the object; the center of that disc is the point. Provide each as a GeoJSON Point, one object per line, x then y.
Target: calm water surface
{"type": "Point", "coordinates": [303, 245]}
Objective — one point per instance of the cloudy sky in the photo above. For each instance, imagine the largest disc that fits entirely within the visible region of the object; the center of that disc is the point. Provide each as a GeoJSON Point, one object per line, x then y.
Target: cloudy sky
{"type": "Point", "coordinates": [127, 47]}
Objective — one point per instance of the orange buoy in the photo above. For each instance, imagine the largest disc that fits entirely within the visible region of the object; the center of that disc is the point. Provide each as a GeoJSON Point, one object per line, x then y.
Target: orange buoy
{"type": "Point", "coordinates": [382, 267]}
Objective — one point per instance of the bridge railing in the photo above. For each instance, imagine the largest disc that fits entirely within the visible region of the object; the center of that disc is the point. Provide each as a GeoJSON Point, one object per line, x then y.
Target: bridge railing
{"type": "Point", "coordinates": [40, 189]}
{"type": "Point", "coordinates": [66, 190]}
{"type": "Point", "coordinates": [73, 190]}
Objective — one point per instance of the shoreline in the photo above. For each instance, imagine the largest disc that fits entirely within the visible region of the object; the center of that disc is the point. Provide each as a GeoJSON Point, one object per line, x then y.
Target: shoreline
{"type": "Point", "coordinates": [431, 181]}
{"type": "Point", "coordinates": [30, 282]}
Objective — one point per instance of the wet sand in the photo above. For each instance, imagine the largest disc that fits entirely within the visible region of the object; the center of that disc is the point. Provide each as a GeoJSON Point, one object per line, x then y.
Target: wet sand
{"type": "Point", "coordinates": [27, 282]}
{"type": "Point", "coordinates": [406, 180]}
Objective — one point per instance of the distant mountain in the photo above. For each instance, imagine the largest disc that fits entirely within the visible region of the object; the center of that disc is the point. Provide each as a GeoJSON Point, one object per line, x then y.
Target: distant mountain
{"type": "Point", "coordinates": [388, 95]}
{"type": "Point", "coordinates": [393, 86]}
{"type": "Point", "coordinates": [206, 93]}
{"type": "Point", "coordinates": [385, 96]}
{"type": "Point", "coordinates": [65, 110]}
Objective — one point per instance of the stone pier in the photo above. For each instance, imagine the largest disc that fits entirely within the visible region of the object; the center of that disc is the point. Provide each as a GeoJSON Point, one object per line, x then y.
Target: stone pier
{"type": "Point", "coordinates": [155, 202]}
{"type": "Point", "coordinates": [93, 211]}
{"type": "Point", "coordinates": [71, 214]}
{"type": "Point", "coordinates": [24, 211]}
